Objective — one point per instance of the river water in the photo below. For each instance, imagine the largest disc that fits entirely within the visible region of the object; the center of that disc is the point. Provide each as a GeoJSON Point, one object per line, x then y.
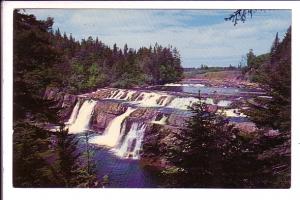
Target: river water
{"type": "Point", "coordinates": [122, 173]}
{"type": "Point", "coordinates": [127, 172]}
{"type": "Point", "coordinates": [195, 88]}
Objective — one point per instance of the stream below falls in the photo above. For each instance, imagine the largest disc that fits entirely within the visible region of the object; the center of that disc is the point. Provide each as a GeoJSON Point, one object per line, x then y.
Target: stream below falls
{"type": "Point", "coordinates": [117, 148]}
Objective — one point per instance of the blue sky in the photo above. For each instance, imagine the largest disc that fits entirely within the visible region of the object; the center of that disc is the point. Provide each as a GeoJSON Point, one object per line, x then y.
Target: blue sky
{"type": "Point", "coordinates": [201, 36]}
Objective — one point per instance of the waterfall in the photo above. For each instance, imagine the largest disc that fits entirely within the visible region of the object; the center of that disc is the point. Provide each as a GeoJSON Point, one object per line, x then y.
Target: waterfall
{"type": "Point", "coordinates": [129, 95]}
{"type": "Point", "coordinates": [83, 117]}
{"type": "Point", "coordinates": [233, 113]}
{"type": "Point", "coordinates": [119, 94]}
{"type": "Point", "coordinates": [113, 93]}
{"type": "Point", "coordinates": [184, 85]}
{"type": "Point", "coordinates": [208, 101]}
{"type": "Point", "coordinates": [149, 99]}
{"type": "Point", "coordinates": [144, 99]}
{"type": "Point", "coordinates": [112, 132]}
{"type": "Point", "coordinates": [74, 113]}
{"type": "Point", "coordinates": [161, 121]}
{"type": "Point", "coordinates": [132, 143]}
{"type": "Point", "coordinates": [182, 102]}
{"type": "Point", "coordinates": [224, 103]}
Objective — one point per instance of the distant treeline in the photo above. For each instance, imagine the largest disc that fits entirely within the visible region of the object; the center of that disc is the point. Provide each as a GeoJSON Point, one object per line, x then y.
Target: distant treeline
{"type": "Point", "coordinates": [80, 66]}
{"type": "Point", "coordinates": [206, 68]}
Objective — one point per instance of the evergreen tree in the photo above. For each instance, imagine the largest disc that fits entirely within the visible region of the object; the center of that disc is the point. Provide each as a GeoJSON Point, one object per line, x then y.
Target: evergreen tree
{"type": "Point", "coordinates": [274, 111]}
{"type": "Point", "coordinates": [31, 157]}
{"type": "Point", "coordinates": [211, 148]}
{"type": "Point", "coordinates": [275, 45]}
{"type": "Point", "coordinates": [275, 78]}
{"type": "Point", "coordinates": [67, 165]}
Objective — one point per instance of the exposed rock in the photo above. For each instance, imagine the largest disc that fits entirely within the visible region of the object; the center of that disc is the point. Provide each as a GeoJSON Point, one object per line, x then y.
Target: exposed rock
{"type": "Point", "coordinates": [177, 120]}
{"type": "Point", "coordinates": [50, 93]}
{"type": "Point", "coordinates": [104, 112]}
{"type": "Point", "coordinates": [110, 107]}
{"type": "Point", "coordinates": [144, 114]}
{"type": "Point", "coordinates": [63, 100]}
{"type": "Point", "coordinates": [101, 121]}
{"type": "Point", "coordinates": [246, 127]}
{"type": "Point", "coordinates": [101, 94]}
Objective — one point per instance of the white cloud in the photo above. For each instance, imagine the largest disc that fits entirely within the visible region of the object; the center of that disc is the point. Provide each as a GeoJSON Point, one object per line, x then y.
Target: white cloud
{"type": "Point", "coordinates": [213, 41]}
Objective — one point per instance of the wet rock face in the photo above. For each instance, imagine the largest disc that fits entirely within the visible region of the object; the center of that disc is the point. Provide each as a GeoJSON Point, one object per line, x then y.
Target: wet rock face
{"type": "Point", "coordinates": [63, 100]}
{"type": "Point", "coordinates": [100, 94]}
{"type": "Point", "coordinates": [101, 120]}
{"type": "Point", "coordinates": [104, 113]}
{"type": "Point", "coordinates": [143, 114]}
{"type": "Point", "coordinates": [110, 107]}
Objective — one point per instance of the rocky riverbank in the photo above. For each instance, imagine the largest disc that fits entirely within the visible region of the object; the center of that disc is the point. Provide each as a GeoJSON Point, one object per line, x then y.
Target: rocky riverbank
{"type": "Point", "coordinates": [163, 125]}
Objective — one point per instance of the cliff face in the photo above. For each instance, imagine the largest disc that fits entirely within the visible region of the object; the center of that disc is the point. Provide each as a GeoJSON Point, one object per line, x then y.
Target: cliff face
{"type": "Point", "coordinates": [104, 113]}
{"type": "Point", "coordinates": [64, 101]}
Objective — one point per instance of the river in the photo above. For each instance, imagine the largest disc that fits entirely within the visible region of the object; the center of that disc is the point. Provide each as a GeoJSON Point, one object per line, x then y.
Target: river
{"type": "Point", "coordinates": [116, 152]}
{"type": "Point", "coordinates": [122, 173]}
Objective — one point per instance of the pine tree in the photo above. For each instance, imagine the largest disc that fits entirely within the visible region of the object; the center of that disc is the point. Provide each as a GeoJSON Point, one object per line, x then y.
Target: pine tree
{"type": "Point", "coordinates": [67, 157]}
{"type": "Point", "coordinates": [274, 112]}
{"type": "Point", "coordinates": [275, 45]}
{"type": "Point", "coordinates": [73, 167]}
{"type": "Point", "coordinates": [209, 143]}
{"type": "Point", "coordinates": [31, 156]}
{"type": "Point", "coordinates": [275, 78]}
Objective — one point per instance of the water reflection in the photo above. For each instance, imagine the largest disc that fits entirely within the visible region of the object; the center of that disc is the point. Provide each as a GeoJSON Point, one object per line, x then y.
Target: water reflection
{"type": "Point", "coordinates": [203, 89]}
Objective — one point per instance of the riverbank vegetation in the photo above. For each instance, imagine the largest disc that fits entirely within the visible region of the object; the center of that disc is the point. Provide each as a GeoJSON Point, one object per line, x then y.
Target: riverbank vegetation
{"type": "Point", "coordinates": [213, 153]}
{"type": "Point", "coordinates": [43, 57]}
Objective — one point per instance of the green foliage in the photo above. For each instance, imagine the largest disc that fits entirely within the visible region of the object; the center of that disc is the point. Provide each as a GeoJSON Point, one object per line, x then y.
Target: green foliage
{"type": "Point", "coordinates": [274, 111]}
{"type": "Point", "coordinates": [44, 159]}
{"type": "Point", "coordinates": [72, 167]}
{"type": "Point", "coordinates": [39, 158]}
{"type": "Point", "coordinates": [214, 154]}
{"type": "Point", "coordinates": [274, 77]}
{"type": "Point", "coordinates": [67, 166]}
{"type": "Point", "coordinates": [46, 58]}
{"type": "Point", "coordinates": [33, 61]}
{"type": "Point", "coordinates": [251, 71]}
{"type": "Point", "coordinates": [31, 156]}
{"type": "Point", "coordinates": [209, 144]}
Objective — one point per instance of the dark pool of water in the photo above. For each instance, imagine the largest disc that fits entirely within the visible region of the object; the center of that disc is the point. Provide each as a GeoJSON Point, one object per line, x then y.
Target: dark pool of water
{"type": "Point", "coordinates": [122, 173]}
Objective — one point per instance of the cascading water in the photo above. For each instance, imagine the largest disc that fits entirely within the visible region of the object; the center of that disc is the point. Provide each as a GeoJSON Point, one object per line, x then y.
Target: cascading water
{"type": "Point", "coordinates": [128, 145]}
{"type": "Point", "coordinates": [119, 94]}
{"type": "Point", "coordinates": [224, 103]}
{"type": "Point", "coordinates": [149, 99]}
{"type": "Point", "coordinates": [132, 143]}
{"type": "Point", "coordinates": [83, 117]}
{"type": "Point", "coordinates": [74, 113]}
{"type": "Point", "coordinates": [161, 121]}
{"type": "Point", "coordinates": [112, 132]}
{"type": "Point", "coordinates": [182, 102]}
{"type": "Point", "coordinates": [144, 99]}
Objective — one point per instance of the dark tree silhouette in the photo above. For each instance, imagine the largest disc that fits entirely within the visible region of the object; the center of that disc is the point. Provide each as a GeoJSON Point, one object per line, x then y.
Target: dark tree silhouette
{"type": "Point", "coordinates": [240, 15]}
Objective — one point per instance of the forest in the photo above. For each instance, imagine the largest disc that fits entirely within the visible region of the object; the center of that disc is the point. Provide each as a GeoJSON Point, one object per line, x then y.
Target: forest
{"type": "Point", "coordinates": [213, 152]}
